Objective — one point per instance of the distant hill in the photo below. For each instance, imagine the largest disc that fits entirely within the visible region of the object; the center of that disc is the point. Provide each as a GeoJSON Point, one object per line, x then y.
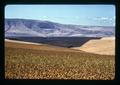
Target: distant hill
{"type": "Point", "coordinates": [38, 28]}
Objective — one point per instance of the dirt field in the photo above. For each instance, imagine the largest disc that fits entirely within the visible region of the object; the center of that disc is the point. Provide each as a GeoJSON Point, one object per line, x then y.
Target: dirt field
{"type": "Point", "coordinates": [28, 61]}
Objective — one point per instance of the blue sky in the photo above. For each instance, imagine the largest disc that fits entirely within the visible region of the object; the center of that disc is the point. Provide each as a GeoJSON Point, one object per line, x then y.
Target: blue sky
{"type": "Point", "coordinates": [97, 15]}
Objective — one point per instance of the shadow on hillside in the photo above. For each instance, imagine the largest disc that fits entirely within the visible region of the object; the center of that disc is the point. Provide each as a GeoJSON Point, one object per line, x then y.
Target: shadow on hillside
{"type": "Point", "coordinates": [57, 41]}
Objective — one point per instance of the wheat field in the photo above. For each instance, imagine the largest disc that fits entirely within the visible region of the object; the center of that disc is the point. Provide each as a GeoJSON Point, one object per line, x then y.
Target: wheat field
{"type": "Point", "coordinates": [23, 62]}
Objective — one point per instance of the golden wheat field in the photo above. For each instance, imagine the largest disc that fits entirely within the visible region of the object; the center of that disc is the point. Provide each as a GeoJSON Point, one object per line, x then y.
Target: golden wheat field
{"type": "Point", "coordinates": [34, 62]}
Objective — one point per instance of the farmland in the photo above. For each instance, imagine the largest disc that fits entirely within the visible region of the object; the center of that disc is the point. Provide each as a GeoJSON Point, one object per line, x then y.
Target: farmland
{"type": "Point", "coordinates": [105, 46]}
{"type": "Point", "coordinates": [24, 61]}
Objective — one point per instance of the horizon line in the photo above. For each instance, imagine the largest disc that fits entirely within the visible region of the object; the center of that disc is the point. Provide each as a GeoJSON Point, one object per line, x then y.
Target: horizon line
{"type": "Point", "coordinates": [58, 22]}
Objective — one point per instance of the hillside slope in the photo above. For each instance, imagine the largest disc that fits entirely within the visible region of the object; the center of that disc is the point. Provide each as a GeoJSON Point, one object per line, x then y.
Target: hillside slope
{"type": "Point", "coordinates": [33, 61]}
{"type": "Point", "coordinates": [105, 46]}
{"type": "Point", "coordinates": [35, 46]}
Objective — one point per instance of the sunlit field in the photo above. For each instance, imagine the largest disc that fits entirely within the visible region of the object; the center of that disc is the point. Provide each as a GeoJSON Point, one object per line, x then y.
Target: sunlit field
{"type": "Point", "coordinates": [26, 63]}
{"type": "Point", "coordinates": [75, 41]}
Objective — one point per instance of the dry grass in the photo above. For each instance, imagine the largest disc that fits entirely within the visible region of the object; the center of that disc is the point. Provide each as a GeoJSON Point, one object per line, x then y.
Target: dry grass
{"type": "Point", "coordinates": [25, 63]}
{"type": "Point", "coordinates": [103, 46]}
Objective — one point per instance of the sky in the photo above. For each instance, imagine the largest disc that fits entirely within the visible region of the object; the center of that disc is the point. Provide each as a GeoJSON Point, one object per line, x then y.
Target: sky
{"type": "Point", "coordinates": [95, 15]}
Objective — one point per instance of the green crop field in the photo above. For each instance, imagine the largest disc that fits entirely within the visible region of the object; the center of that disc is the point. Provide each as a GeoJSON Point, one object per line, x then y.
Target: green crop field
{"type": "Point", "coordinates": [25, 63]}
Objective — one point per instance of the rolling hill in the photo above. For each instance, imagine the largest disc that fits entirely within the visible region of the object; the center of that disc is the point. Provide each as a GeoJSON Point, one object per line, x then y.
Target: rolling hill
{"type": "Point", "coordinates": [35, 46]}
{"type": "Point", "coordinates": [105, 46]}
{"type": "Point", "coordinates": [56, 41]}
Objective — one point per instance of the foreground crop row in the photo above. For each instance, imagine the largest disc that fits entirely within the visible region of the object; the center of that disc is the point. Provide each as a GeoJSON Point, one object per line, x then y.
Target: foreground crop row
{"type": "Point", "coordinates": [40, 64]}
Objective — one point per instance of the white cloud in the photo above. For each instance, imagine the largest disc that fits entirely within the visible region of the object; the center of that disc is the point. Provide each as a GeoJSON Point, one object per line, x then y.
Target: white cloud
{"type": "Point", "coordinates": [109, 20]}
{"type": "Point", "coordinates": [113, 23]}
{"type": "Point", "coordinates": [114, 17]}
{"type": "Point", "coordinates": [45, 17]}
{"type": "Point", "coordinates": [104, 18]}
